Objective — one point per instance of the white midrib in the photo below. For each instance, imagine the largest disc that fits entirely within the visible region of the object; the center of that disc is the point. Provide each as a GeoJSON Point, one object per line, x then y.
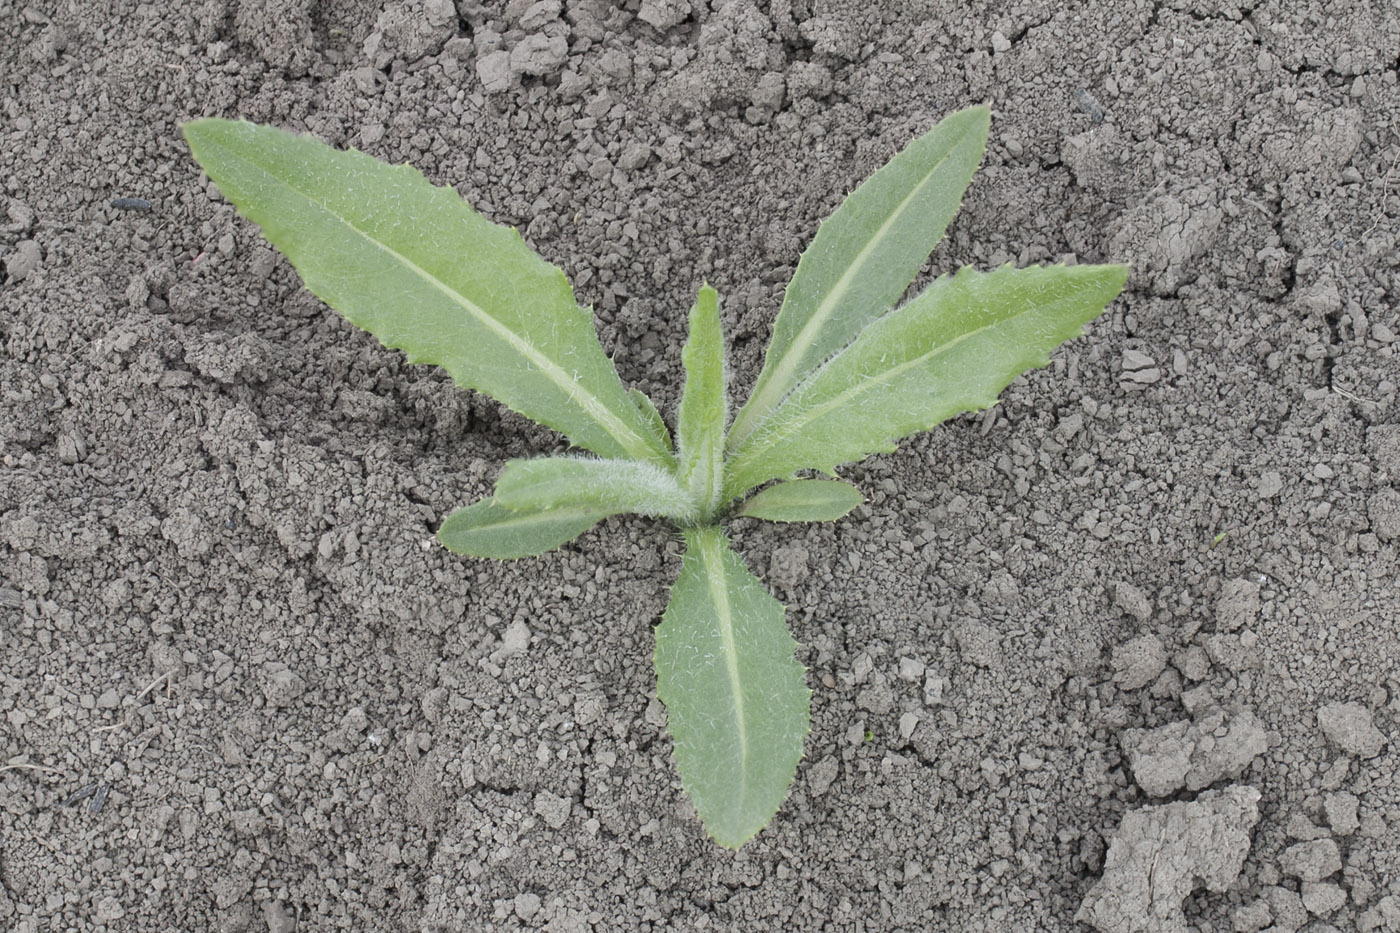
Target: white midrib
{"type": "Point", "coordinates": [635, 445]}
{"type": "Point", "coordinates": [631, 442]}
{"type": "Point", "coordinates": [703, 475]}
{"type": "Point", "coordinates": [711, 551]}
{"type": "Point", "coordinates": [780, 382]}
{"type": "Point", "coordinates": [661, 494]}
{"type": "Point", "coordinates": [782, 431]}
{"type": "Point", "coordinates": [545, 517]}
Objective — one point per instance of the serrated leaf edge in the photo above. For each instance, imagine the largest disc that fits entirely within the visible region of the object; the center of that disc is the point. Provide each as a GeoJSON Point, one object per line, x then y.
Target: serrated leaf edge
{"type": "Point", "coordinates": [632, 442]}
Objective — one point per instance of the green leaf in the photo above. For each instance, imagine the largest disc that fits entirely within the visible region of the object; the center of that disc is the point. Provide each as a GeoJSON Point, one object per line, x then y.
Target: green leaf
{"type": "Point", "coordinates": [803, 500]}
{"type": "Point", "coordinates": [950, 350]}
{"type": "Point", "coordinates": [606, 487]}
{"type": "Point", "coordinates": [651, 417]}
{"type": "Point", "coordinates": [414, 265]}
{"type": "Point", "coordinates": [865, 255]}
{"type": "Point", "coordinates": [737, 707]}
{"type": "Point", "coordinates": [704, 407]}
{"type": "Point", "coordinates": [489, 529]}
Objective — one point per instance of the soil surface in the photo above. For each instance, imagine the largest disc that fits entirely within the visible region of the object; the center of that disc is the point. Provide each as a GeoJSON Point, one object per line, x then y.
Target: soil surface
{"type": "Point", "coordinates": [1122, 653]}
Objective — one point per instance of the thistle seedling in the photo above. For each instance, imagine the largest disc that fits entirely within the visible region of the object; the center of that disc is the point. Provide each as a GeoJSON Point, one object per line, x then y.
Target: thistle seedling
{"type": "Point", "coordinates": [847, 374]}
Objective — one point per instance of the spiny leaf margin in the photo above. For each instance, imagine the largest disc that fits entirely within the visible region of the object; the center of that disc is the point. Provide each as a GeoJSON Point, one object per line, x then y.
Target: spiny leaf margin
{"type": "Point", "coordinates": [417, 267]}
{"type": "Point", "coordinates": [738, 710]}
{"type": "Point", "coordinates": [951, 349]}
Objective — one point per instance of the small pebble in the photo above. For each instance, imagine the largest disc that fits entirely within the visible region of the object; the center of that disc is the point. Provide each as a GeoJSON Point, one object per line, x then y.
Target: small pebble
{"type": "Point", "coordinates": [1311, 861]}
{"type": "Point", "coordinates": [109, 909]}
{"type": "Point", "coordinates": [527, 904]}
{"type": "Point", "coordinates": [1237, 606]}
{"type": "Point", "coordinates": [907, 724]}
{"type": "Point", "coordinates": [1270, 484]}
{"type": "Point", "coordinates": [1323, 898]}
{"type": "Point", "coordinates": [1301, 828]}
{"type": "Point", "coordinates": [822, 774]}
{"type": "Point", "coordinates": [1287, 908]}
{"type": "Point", "coordinates": [539, 54]}
{"type": "Point", "coordinates": [540, 15]}
{"type": "Point", "coordinates": [634, 156]}
{"type": "Point", "coordinates": [494, 72]}
{"type": "Point", "coordinates": [1253, 917]}
{"type": "Point", "coordinates": [513, 642]}
{"type": "Point", "coordinates": [911, 670]}
{"type": "Point", "coordinates": [1133, 601]}
{"type": "Point", "coordinates": [1138, 662]}
{"type": "Point", "coordinates": [1351, 728]}
{"type": "Point", "coordinates": [23, 259]}
{"type": "Point", "coordinates": [1143, 376]}
{"type": "Point", "coordinates": [553, 809]}
{"type": "Point", "coordinates": [1341, 812]}
{"type": "Point", "coordinates": [1134, 360]}
{"type": "Point", "coordinates": [282, 687]}
{"type": "Point", "coordinates": [278, 918]}
{"type": "Point", "coordinates": [1193, 662]}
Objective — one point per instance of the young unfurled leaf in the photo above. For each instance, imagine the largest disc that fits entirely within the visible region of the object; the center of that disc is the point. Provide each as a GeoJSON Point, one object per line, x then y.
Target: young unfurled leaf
{"type": "Point", "coordinates": [802, 500]}
{"type": "Point", "coordinates": [414, 265]}
{"type": "Point", "coordinates": [950, 350]}
{"type": "Point", "coordinates": [865, 255]}
{"type": "Point", "coordinates": [489, 529]}
{"type": "Point", "coordinates": [704, 408]}
{"type": "Point", "coordinates": [607, 487]}
{"type": "Point", "coordinates": [736, 703]}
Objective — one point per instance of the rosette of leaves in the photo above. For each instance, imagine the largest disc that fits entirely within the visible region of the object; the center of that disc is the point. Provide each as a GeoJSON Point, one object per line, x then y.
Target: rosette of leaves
{"type": "Point", "coordinates": [849, 372]}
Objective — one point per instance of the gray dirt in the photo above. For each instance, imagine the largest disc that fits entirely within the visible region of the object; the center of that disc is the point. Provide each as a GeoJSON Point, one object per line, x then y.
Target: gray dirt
{"type": "Point", "coordinates": [220, 601]}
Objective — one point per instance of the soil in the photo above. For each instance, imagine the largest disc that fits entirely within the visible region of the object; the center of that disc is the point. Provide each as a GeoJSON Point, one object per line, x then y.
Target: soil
{"type": "Point", "coordinates": [1121, 653]}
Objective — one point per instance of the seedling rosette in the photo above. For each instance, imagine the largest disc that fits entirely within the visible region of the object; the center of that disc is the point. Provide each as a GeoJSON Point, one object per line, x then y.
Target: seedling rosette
{"type": "Point", "coordinates": [847, 374]}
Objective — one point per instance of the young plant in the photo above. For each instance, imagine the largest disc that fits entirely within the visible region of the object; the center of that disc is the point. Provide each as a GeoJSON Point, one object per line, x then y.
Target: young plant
{"type": "Point", "coordinates": [846, 375]}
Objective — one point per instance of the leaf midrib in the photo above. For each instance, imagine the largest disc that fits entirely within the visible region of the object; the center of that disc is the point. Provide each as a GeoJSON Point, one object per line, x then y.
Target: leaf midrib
{"type": "Point", "coordinates": [781, 431]}
{"type": "Point", "coordinates": [711, 552]}
{"type": "Point", "coordinates": [630, 441]}
{"type": "Point", "coordinates": [523, 517]}
{"type": "Point", "coordinates": [783, 371]}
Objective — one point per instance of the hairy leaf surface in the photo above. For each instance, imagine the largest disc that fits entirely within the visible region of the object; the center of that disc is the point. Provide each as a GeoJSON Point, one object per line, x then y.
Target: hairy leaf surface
{"type": "Point", "coordinates": [704, 405]}
{"type": "Point", "coordinates": [417, 267]}
{"type": "Point", "coordinates": [607, 487]}
{"type": "Point", "coordinates": [651, 417]}
{"type": "Point", "coordinates": [736, 703]}
{"type": "Point", "coordinates": [489, 529]}
{"type": "Point", "coordinates": [950, 350]}
{"type": "Point", "coordinates": [865, 255]}
{"type": "Point", "coordinates": [803, 500]}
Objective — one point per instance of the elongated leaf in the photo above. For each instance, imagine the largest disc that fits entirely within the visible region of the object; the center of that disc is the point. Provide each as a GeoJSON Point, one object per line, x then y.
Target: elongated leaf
{"type": "Point", "coordinates": [704, 405]}
{"type": "Point", "coordinates": [607, 487]}
{"type": "Point", "coordinates": [865, 255]}
{"type": "Point", "coordinates": [950, 350]}
{"type": "Point", "coordinates": [651, 417]}
{"type": "Point", "coordinates": [489, 529]}
{"type": "Point", "coordinates": [414, 265]}
{"type": "Point", "coordinates": [803, 500]}
{"type": "Point", "coordinates": [737, 707]}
